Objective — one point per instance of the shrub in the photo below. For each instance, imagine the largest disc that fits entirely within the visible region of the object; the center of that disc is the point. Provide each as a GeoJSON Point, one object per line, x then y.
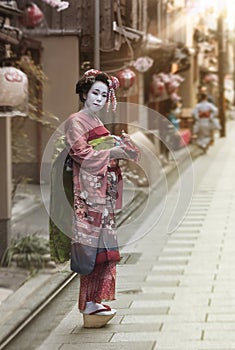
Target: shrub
{"type": "Point", "coordinates": [30, 251]}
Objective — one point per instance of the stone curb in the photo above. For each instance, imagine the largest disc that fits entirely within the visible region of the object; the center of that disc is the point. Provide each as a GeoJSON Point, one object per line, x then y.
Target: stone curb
{"type": "Point", "coordinates": [20, 305]}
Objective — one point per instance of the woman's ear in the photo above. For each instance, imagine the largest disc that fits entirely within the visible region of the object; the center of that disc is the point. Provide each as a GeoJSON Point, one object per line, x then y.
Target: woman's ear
{"type": "Point", "coordinates": [84, 97]}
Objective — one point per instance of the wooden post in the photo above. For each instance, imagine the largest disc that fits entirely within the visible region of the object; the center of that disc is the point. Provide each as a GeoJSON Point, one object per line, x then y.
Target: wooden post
{"type": "Point", "coordinates": [5, 183]}
{"type": "Point", "coordinates": [233, 41]}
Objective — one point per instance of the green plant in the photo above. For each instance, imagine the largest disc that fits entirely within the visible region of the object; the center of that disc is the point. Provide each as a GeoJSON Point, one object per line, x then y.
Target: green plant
{"type": "Point", "coordinates": [30, 251]}
{"type": "Point", "coordinates": [22, 150]}
{"type": "Point", "coordinates": [36, 81]}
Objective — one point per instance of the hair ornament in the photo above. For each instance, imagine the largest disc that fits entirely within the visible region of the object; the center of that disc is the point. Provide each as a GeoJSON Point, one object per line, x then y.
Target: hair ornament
{"type": "Point", "coordinates": [113, 82]}
{"type": "Point", "coordinates": [113, 85]}
{"type": "Point", "coordinates": [91, 74]}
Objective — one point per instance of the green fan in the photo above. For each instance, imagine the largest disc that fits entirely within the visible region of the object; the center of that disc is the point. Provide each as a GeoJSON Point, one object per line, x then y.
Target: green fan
{"type": "Point", "coordinates": [104, 142]}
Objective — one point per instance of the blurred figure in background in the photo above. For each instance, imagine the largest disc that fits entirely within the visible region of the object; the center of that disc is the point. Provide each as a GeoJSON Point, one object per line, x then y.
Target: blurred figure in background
{"type": "Point", "coordinates": [203, 91]}
{"type": "Point", "coordinates": [205, 114]}
{"type": "Point", "coordinates": [174, 114]}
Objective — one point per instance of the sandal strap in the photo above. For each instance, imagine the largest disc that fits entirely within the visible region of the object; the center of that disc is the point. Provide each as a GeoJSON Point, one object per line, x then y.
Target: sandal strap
{"type": "Point", "coordinates": [107, 307]}
{"type": "Point", "coordinates": [99, 310]}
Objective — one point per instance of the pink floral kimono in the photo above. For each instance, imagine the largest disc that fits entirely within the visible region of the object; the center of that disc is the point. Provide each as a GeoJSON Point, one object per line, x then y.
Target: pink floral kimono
{"type": "Point", "coordinates": [97, 188]}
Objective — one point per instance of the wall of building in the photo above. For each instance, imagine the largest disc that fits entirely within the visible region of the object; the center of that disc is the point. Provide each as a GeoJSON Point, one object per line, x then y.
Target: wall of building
{"type": "Point", "coordinates": [60, 63]}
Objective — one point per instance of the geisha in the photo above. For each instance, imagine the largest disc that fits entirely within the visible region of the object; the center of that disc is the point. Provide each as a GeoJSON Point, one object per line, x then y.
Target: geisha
{"type": "Point", "coordinates": [97, 192]}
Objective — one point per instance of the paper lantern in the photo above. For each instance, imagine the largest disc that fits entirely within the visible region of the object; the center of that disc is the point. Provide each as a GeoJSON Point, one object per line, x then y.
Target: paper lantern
{"type": "Point", "coordinates": [14, 91]}
{"type": "Point", "coordinates": [32, 16]}
{"type": "Point", "coordinates": [158, 87]}
{"type": "Point", "coordinates": [142, 64]}
{"type": "Point", "coordinates": [59, 5]}
{"type": "Point", "coordinates": [126, 78]}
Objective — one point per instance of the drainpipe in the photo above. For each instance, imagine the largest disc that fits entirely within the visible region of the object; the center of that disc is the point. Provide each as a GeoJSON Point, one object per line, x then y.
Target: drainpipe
{"type": "Point", "coordinates": [221, 59]}
{"type": "Point", "coordinates": [97, 35]}
{"type": "Point", "coordinates": [159, 24]}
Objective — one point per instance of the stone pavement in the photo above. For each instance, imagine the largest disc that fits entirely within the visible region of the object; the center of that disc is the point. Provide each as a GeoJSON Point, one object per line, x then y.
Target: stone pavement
{"type": "Point", "coordinates": [179, 293]}
{"type": "Point", "coordinates": [147, 290]}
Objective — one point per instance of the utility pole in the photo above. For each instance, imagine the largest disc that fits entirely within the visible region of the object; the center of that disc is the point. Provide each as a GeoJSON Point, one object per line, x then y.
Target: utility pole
{"type": "Point", "coordinates": [221, 64]}
{"type": "Point", "coordinates": [5, 149]}
{"type": "Point", "coordinates": [5, 183]}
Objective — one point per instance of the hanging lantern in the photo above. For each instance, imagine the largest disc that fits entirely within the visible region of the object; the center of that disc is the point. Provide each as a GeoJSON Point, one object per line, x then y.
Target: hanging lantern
{"type": "Point", "coordinates": [14, 92]}
{"type": "Point", "coordinates": [158, 87]}
{"type": "Point", "coordinates": [57, 4]}
{"type": "Point", "coordinates": [32, 16]}
{"type": "Point", "coordinates": [142, 64]}
{"type": "Point", "coordinates": [126, 78]}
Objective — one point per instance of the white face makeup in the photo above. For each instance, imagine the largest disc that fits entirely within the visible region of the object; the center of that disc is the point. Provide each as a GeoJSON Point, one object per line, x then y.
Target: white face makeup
{"type": "Point", "coordinates": [96, 97]}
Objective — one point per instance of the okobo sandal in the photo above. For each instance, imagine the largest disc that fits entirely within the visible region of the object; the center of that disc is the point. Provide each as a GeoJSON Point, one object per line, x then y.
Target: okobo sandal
{"type": "Point", "coordinates": [96, 320]}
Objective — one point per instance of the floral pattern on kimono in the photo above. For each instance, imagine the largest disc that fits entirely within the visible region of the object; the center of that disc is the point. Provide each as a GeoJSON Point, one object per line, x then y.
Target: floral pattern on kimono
{"type": "Point", "coordinates": [97, 188]}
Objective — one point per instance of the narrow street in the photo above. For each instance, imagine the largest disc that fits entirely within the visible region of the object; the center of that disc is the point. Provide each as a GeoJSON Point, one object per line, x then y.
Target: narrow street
{"type": "Point", "coordinates": [176, 290]}
{"type": "Point", "coordinates": [93, 92]}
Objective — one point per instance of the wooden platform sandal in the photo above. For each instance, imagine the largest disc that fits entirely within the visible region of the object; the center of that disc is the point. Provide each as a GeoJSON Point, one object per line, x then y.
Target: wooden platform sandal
{"type": "Point", "coordinates": [96, 319]}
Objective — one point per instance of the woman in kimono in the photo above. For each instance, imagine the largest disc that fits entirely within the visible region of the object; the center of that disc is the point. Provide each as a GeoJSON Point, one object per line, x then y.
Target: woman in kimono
{"type": "Point", "coordinates": [205, 121]}
{"type": "Point", "coordinates": [93, 155]}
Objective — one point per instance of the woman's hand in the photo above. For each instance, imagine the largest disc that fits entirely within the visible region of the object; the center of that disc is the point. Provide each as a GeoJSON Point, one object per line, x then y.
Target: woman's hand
{"type": "Point", "coordinates": [118, 153]}
{"type": "Point", "coordinates": [125, 137]}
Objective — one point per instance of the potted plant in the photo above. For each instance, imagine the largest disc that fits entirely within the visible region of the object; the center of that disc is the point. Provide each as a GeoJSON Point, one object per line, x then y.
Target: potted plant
{"type": "Point", "coordinates": [30, 251]}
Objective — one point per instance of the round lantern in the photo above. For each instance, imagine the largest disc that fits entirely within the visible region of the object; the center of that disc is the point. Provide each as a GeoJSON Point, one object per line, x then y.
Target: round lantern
{"type": "Point", "coordinates": [142, 64]}
{"type": "Point", "coordinates": [126, 78]}
{"type": "Point", "coordinates": [32, 16]}
{"type": "Point", "coordinates": [14, 90]}
{"type": "Point", "coordinates": [158, 87]}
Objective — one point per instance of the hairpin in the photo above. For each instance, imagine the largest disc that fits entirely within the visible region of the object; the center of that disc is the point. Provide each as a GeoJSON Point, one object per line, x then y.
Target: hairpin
{"type": "Point", "coordinates": [113, 85]}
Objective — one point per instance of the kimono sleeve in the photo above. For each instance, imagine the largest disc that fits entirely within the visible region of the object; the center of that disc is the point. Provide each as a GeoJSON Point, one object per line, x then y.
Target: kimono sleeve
{"type": "Point", "coordinates": [93, 161]}
{"type": "Point", "coordinates": [89, 166]}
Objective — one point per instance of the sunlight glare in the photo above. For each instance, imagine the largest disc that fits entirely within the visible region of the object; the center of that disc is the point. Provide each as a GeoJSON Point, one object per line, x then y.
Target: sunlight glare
{"type": "Point", "coordinates": [215, 8]}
